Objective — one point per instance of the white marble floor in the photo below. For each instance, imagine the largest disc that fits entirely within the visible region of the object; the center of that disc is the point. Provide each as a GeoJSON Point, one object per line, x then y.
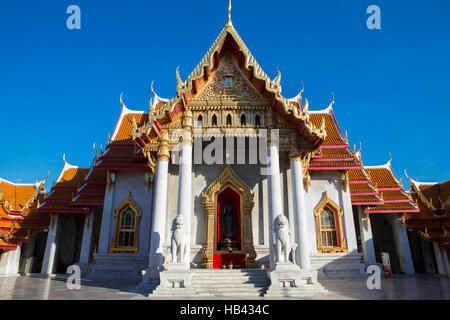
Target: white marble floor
{"type": "Point", "coordinates": [34, 287]}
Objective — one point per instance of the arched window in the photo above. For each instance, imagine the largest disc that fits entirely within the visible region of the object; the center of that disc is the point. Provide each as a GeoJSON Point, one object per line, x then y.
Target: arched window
{"type": "Point", "coordinates": [214, 121]}
{"type": "Point", "coordinates": [126, 231]}
{"type": "Point", "coordinates": [200, 121]}
{"type": "Point", "coordinates": [243, 120]}
{"type": "Point", "coordinates": [257, 121]}
{"type": "Point", "coordinates": [330, 237]}
{"type": "Point", "coordinates": [328, 230]}
{"type": "Point", "coordinates": [229, 120]}
{"type": "Point", "coordinates": [127, 228]}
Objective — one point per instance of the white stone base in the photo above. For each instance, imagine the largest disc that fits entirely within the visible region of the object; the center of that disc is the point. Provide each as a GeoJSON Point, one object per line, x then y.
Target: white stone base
{"type": "Point", "coordinates": [288, 280]}
{"type": "Point", "coordinates": [175, 281]}
{"type": "Point", "coordinates": [9, 262]}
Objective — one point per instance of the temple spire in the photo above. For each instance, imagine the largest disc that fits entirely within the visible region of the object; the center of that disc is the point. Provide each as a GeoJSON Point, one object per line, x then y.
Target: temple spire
{"type": "Point", "coordinates": [229, 23]}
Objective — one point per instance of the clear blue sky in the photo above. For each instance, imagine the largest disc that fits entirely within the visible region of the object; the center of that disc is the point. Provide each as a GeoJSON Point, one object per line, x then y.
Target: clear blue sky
{"type": "Point", "coordinates": [60, 88]}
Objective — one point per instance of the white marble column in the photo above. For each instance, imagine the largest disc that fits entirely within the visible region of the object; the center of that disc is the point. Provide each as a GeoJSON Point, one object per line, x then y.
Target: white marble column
{"type": "Point", "coordinates": [28, 258]}
{"type": "Point", "coordinates": [402, 245]}
{"type": "Point", "coordinates": [49, 263]}
{"type": "Point", "coordinates": [445, 261]}
{"type": "Point", "coordinates": [185, 183]}
{"type": "Point", "coordinates": [301, 225]}
{"type": "Point", "coordinates": [9, 261]}
{"type": "Point", "coordinates": [107, 217]}
{"type": "Point", "coordinates": [437, 254]}
{"type": "Point", "coordinates": [275, 196]}
{"type": "Point", "coordinates": [157, 233]}
{"type": "Point", "coordinates": [427, 256]}
{"type": "Point", "coordinates": [365, 231]}
{"type": "Point", "coordinates": [87, 237]}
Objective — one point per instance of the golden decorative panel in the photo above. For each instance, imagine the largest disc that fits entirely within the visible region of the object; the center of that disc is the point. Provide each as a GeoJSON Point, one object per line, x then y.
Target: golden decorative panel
{"type": "Point", "coordinates": [228, 82]}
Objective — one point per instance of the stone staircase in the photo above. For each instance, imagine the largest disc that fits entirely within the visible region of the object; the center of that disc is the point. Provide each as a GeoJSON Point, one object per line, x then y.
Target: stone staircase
{"type": "Point", "coordinates": [234, 283]}
{"type": "Point", "coordinates": [338, 266]}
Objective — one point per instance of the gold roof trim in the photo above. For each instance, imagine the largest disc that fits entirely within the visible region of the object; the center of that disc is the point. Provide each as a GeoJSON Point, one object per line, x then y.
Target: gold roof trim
{"type": "Point", "coordinates": [271, 86]}
{"type": "Point", "coordinates": [421, 195]}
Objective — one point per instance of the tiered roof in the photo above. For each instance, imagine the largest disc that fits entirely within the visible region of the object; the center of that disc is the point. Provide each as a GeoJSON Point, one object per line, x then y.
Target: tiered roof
{"type": "Point", "coordinates": [433, 220]}
{"type": "Point", "coordinates": [79, 188]}
{"type": "Point", "coordinates": [334, 153]}
{"type": "Point", "coordinates": [362, 191]}
{"type": "Point", "coordinates": [62, 193]}
{"type": "Point", "coordinates": [121, 152]}
{"type": "Point", "coordinates": [19, 221]}
{"type": "Point", "coordinates": [390, 189]}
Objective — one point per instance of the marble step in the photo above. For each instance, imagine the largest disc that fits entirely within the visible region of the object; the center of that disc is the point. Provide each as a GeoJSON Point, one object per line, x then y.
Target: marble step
{"type": "Point", "coordinates": [249, 278]}
{"type": "Point", "coordinates": [225, 282]}
{"type": "Point", "coordinates": [244, 282]}
{"type": "Point", "coordinates": [231, 291]}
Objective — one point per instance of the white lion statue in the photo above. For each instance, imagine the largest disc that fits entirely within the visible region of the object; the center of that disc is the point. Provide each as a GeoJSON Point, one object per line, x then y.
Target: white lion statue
{"type": "Point", "coordinates": [283, 244]}
{"type": "Point", "coordinates": [178, 242]}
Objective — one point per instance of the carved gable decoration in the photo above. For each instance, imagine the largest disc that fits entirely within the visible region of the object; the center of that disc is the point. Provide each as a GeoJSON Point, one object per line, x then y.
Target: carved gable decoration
{"type": "Point", "coordinates": [228, 83]}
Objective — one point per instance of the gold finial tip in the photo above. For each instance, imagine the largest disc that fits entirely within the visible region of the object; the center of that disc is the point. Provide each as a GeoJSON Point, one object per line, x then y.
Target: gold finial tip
{"type": "Point", "coordinates": [229, 23]}
{"type": "Point", "coordinates": [121, 100]}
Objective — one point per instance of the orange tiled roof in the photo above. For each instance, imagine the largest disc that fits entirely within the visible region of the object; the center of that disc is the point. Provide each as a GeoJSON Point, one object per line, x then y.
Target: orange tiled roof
{"type": "Point", "coordinates": [367, 199]}
{"type": "Point", "coordinates": [122, 133]}
{"type": "Point", "coordinates": [64, 190]}
{"type": "Point", "coordinates": [17, 195]}
{"type": "Point", "coordinates": [19, 220]}
{"type": "Point", "coordinates": [334, 134]}
{"type": "Point", "coordinates": [334, 152]}
{"type": "Point", "coordinates": [71, 177]}
{"type": "Point", "coordinates": [382, 177]}
{"type": "Point", "coordinates": [358, 175]}
{"type": "Point", "coordinates": [88, 200]}
{"type": "Point", "coordinates": [390, 190]}
{"type": "Point", "coordinates": [333, 164]}
{"type": "Point", "coordinates": [362, 191]}
{"type": "Point", "coordinates": [362, 188]}
{"type": "Point", "coordinates": [394, 195]}
{"type": "Point", "coordinates": [7, 245]}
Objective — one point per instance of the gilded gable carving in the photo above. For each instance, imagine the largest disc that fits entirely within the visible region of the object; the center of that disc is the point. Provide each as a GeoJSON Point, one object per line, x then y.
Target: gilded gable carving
{"type": "Point", "coordinates": [228, 83]}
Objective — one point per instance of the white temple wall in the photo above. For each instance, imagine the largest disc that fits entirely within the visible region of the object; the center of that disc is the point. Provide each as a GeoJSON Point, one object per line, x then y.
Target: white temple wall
{"type": "Point", "coordinates": [329, 181]}
{"type": "Point", "coordinates": [124, 265]}
{"type": "Point", "coordinates": [135, 184]}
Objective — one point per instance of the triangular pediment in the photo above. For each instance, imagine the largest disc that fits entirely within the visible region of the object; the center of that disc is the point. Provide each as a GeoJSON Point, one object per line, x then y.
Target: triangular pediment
{"type": "Point", "coordinates": [207, 85]}
{"type": "Point", "coordinates": [230, 84]}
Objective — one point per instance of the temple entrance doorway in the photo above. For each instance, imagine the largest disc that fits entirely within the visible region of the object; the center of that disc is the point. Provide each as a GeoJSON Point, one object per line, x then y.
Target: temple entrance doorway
{"type": "Point", "coordinates": [228, 203]}
{"type": "Point", "coordinates": [228, 253]}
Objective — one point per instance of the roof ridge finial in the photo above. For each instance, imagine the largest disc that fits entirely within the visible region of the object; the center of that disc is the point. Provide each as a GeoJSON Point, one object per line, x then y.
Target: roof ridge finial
{"type": "Point", "coordinates": [121, 101]}
{"type": "Point", "coordinates": [332, 101]}
{"type": "Point", "coordinates": [179, 82]}
{"type": "Point", "coordinates": [406, 174]}
{"type": "Point", "coordinates": [229, 23]}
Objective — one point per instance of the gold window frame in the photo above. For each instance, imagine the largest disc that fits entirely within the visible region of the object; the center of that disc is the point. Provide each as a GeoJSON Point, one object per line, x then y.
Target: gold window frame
{"type": "Point", "coordinates": [338, 214]}
{"type": "Point", "coordinates": [127, 203]}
